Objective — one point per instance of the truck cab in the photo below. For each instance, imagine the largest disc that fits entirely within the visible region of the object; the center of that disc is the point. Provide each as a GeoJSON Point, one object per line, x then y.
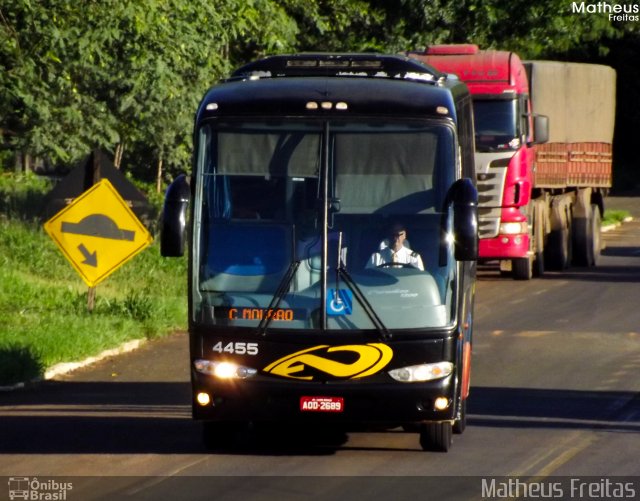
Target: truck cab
{"type": "Point", "coordinates": [506, 131]}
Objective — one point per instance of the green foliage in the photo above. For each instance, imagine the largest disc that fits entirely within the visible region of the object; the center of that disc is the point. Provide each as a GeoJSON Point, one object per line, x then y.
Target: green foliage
{"type": "Point", "coordinates": [614, 216]}
{"type": "Point", "coordinates": [21, 196]}
{"type": "Point", "coordinates": [339, 25]}
{"type": "Point", "coordinates": [78, 76]}
{"type": "Point", "coordinates": [75, 76]}
{"type": "Point", "coordinates": [532, 29]}
{"type": "Point", "coordinates": [18, 364]}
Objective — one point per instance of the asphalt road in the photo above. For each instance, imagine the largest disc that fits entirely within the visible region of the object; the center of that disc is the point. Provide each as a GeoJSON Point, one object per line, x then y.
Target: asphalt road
{"type": "Point", "coordinates": [555, 395]}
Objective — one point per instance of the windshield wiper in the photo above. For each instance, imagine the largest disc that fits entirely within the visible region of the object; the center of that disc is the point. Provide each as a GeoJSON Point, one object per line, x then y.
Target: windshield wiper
{"type": "Point", "coordinates": [385, 334]}
{"type": "Point", "coordinates": [281, 291]}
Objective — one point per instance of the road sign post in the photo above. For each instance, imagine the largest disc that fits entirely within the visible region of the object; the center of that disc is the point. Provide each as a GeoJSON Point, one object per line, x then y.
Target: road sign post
{"type": "Point", "coordinates": [98, 232]}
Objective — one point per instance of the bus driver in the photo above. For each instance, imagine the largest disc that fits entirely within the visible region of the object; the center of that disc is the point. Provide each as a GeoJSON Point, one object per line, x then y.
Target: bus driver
{"type": "Point", "coordinates": [395, 251]}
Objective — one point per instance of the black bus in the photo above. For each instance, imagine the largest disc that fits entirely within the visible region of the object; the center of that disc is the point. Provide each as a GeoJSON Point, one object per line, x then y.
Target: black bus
{"type": "Point", "coordinates": [331, 223]}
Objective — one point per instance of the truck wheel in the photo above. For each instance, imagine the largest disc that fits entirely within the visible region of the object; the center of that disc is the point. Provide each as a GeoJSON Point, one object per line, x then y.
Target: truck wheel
{"type": "Point", "coordinates": [587, 238]}
{"type": "Point", "coordinates": [538, 239]}
{"type": "Point", "coordinates": [522, 268]}
{"type": "Point", "coordinates": [596, 223]}
{"type": "Point", "coordinates": [557, 251]}
{"type": "Point", "coordinates": [436, 436]}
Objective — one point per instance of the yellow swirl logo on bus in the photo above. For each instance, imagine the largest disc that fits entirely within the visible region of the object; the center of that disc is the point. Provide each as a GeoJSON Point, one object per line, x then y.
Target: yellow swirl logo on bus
{"type": "Point", "coordinates": [348, 361]}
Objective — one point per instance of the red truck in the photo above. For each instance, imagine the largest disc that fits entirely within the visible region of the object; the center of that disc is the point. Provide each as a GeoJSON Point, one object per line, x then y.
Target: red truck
{"type": "Point", "coordinates": [543, 176]}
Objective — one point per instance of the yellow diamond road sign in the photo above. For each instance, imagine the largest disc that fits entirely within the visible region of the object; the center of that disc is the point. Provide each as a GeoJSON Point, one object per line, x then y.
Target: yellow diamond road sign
{"type": "Point", "coordinates": [98, 232]}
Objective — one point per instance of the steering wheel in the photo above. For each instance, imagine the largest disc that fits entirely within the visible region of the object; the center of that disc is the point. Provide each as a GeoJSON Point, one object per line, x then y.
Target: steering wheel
{"type": "Point", "coordinates": [396, 265]}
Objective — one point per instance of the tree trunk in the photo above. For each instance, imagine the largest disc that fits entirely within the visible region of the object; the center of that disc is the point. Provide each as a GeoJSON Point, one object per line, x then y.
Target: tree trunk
{"type": "Point", "coordinates": [117, 157]}
{"type": "Point", "coordinates": [159, 176]}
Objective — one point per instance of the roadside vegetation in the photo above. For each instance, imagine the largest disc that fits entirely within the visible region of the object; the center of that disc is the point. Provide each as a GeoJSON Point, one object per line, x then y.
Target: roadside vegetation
{"type": "Point", "coordinates": [612, 216]}
{"type": "Point", "coordinates": [44, 318]}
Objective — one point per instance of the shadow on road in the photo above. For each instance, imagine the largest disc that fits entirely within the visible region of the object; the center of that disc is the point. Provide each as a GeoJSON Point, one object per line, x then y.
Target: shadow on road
{"type": "Point", "coordinates": [122, 418]}
{"type": "Point", "coordinates": [540, 408]}
{"type": "Point", "coordinates": [127, 417]}
{"type": "Point", "coordinates": [97, 417]}
{"type": "Point", "coordinates": [600, 273]}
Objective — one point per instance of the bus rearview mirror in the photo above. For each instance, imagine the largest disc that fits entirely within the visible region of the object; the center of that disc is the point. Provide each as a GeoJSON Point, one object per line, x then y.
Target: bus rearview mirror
{"type": "Point", "coordinates": [174, 218]}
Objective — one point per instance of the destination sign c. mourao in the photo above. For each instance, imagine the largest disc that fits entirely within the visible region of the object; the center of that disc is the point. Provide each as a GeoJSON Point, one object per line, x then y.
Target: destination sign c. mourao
{"type": "Point", "coordinates": [98, 232]}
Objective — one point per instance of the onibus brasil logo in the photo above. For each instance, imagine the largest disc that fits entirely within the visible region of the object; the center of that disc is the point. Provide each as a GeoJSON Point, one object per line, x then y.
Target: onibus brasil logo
{"type": "Point", "coordinates": [38, 490]}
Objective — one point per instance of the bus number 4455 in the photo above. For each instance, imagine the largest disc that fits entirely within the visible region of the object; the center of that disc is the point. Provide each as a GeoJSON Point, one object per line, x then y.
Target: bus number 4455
{"type": "Point", "coordinates": [238, 348]}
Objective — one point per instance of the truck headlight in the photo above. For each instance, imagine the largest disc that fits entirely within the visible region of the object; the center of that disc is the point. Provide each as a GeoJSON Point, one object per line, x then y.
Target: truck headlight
{"type": "Point", "coordinates": [514, 228]}
{"type": "Point", "coordinates": [422, 372]}
{"type": "Point", "coordinates": [224, 370]}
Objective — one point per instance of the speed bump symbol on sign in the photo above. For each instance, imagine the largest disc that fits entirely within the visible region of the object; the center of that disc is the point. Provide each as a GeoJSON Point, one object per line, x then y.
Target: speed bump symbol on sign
{"type": "Point", "coordinates": [98, 232]}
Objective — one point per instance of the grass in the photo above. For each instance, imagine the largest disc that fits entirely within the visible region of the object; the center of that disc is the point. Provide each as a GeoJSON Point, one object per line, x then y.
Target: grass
{"type": "Point", "coordinates": [43, 302]}
{"type": "Point", "coordinates": [614, 217]}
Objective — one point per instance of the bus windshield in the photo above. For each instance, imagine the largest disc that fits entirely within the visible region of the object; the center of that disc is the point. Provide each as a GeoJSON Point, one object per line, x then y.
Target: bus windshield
{"type": "Point", "coordinates": [277, 203]}
{"type": "Point", "coordinates": [496, 124]}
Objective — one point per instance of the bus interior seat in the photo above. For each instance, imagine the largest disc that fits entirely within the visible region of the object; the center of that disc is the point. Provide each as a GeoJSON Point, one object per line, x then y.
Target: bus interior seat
{"type": "Point", "coordinates": [247, 257]}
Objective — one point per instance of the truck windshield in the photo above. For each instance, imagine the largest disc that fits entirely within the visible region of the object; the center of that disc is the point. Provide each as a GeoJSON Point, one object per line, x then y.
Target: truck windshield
{"type": "Point", "coordinates": [263, 193]}
{"type": "Point", "coordinates": [496, 124]}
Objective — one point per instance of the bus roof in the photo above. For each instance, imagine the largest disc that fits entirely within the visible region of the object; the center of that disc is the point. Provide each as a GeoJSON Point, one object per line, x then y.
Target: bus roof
{"type": "Point", "coordinates": [340, 84]}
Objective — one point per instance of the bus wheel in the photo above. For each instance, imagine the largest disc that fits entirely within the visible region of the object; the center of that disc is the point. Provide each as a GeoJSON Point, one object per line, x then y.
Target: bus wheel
{"type": "Point", "coordinates": [436, 436]}
{"type": "Point", "coordinates": [218, 435]}
{"type": "Point", "coordinates": [460, 423]}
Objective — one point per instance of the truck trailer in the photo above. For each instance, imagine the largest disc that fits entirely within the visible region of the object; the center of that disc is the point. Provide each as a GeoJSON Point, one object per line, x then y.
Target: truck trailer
{"type": "Point", "coordinates": [307, 170]}
{"type": "Point", "coordinates": [543, 155]}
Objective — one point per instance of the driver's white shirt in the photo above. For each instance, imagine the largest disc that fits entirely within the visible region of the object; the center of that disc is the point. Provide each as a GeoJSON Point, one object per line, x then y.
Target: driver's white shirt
{"type": "Point", "coordinates": [403, 256]}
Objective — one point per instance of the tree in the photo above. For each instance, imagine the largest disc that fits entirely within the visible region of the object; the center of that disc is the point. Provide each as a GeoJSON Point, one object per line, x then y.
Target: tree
{"type": "Point", "coordinates": [78, 76]}
{"type": "Point", "coordinates": [41, 99]}
{"type": "Point", "coordinates": [101, 74]}
{"type": "Point", "coordinates": [532, 29]}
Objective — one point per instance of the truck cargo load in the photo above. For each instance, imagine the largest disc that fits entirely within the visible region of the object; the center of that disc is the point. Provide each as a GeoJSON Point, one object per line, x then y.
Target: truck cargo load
{"type": "Point", "coordinates": [579, 100]}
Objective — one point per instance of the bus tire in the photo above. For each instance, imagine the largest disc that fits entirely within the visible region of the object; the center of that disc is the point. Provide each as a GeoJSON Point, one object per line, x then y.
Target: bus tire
{"type": "Point", "coordinates": [217, 435]}
{"type": "Point", "coordinates": [436, 437]}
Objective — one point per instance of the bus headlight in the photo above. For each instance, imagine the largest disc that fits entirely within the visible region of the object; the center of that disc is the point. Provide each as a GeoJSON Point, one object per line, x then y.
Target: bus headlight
{"type": "Point", "coordinates": [224, 370]}
{"type": "Point", "coordinates": [422, 372]}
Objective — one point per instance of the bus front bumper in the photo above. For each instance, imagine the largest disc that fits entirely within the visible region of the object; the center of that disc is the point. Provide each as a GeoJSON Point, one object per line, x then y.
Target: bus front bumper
{"type": "Point", "coordinates": [333, 402]}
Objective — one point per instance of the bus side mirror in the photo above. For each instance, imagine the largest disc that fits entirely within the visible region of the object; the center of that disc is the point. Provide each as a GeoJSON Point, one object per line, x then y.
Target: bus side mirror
{"type": "Point", "coordinates": [540, 129]}
{"type": "Point", "coordinates": [463, 195]}
{"type": "Point", "coordinates": [174, 218]}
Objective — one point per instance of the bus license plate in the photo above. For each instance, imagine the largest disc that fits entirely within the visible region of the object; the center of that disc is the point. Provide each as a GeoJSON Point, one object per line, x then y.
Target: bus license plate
{"type": "Point", "coordinates": [321, 404]}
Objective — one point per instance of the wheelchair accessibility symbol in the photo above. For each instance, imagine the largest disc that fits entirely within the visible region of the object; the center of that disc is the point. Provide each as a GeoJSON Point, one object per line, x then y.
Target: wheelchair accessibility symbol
{"type": "Point", "coordinates": [339, 302]}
